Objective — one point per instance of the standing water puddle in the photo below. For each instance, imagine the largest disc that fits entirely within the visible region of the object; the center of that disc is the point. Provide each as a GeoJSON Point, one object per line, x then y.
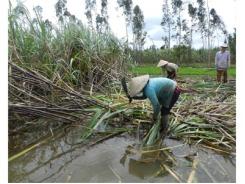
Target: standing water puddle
{"type": "Point", "coordinates": [119, 160]}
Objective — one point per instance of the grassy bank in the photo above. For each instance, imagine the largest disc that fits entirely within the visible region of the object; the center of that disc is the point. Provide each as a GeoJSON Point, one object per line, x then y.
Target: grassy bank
{"type": "Point", "coordinates": [153, 70]}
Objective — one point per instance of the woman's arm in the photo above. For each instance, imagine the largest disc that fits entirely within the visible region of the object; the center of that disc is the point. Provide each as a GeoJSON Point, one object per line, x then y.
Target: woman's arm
{"type": "Point", "coordinates": [151, 95]}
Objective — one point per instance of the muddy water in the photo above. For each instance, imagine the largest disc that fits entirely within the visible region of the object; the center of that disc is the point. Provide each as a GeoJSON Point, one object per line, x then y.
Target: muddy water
{"type": "Point", "coordinates": [118, 160]}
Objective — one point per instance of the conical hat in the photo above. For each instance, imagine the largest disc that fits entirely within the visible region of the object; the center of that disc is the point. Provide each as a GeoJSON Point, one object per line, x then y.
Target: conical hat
{"type": "Point", "coordinates": [224, 45]}
{"type": "Point", "coordinates": [136, 84]}
{"type": "Point", "coordinates": [162, 63]}
{"type": "Point", "coordinates": [171, 67]}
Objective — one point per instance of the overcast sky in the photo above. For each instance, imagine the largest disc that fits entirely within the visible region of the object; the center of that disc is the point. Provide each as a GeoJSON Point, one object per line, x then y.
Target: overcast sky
{"type": "Point", "coordinates": [152, 10]}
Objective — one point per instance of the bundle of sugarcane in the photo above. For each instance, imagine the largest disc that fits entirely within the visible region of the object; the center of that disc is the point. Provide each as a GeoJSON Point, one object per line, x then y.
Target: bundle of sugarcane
{"type": "Point", "coordinates": [208, 117]}
{"type": "Point", "coordinates": [33, 97]}
{"type": "Point", "coordinates": [33, 94]}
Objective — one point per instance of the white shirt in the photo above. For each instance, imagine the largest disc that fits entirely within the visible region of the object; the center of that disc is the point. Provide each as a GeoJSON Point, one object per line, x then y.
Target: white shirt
{"type": "Point", "coordinates": [222, 60]}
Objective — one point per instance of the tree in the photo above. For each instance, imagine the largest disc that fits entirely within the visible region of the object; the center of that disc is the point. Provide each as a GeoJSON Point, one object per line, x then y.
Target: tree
{"type": "Point", "coordinates": [203, 26]}
{"type": "Point", "coordinates": [166, 23]}
{"type": "Point", "coordinates": [192, 11]}
{"type": "Point", "coordinates": [209, 35]}
{"type": "Point", "coordinates": [232, 46]}
{"type": "Point", "coordinates": [99, 23]}
{"type": "Point", "coordinates": [181, 28]}
{"type": "Point", "coordinates": [126, 5]}
{"type": "Point", "coordinates": [104, 14]}
{"type": "Point", "coordinates": [177, 9]}
{"type": "Point", "coordinates": [187, 40]}
{"type": "Point", "coordinates": [60, 8]}
{"type": "Point", "coordinates": [138, 25]}
{"type": "Point", "coordinates": [102, 24]}
{"type": "Point", "coordinates": [202, 21]}
{"type": "Point", "coordinates": [216, 23]}
{"type": "Point", "coordinates": [63, 14]}
{"type": "Point", "coordinates": [166, 42]}
{"type": "Point", "coordinates": [90, 6]}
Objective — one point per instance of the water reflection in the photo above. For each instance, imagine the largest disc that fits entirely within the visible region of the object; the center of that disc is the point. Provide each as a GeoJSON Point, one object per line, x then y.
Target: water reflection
{"type": "Point", "coordinates": [45, 162]}
{"type": "Point", "coordinates": [63, 160]}
{"type": "Point", "coordinates": [148, 162]}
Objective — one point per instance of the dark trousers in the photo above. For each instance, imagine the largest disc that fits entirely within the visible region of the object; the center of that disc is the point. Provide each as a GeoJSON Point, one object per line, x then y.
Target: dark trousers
{"type": "Point", "coordinates": [222, 73]}
{"type": "Point", "coordinates": [165, 111]}
{"type": "Point", "coordinates": [171, 75]}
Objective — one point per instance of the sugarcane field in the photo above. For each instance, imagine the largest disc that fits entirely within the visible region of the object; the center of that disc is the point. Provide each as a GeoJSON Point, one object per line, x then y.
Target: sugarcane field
{"type": "Point", "coordinates": [88, 105]}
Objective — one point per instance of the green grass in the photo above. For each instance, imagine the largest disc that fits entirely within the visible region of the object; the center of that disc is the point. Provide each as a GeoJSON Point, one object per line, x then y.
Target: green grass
{"type": "Point", "coordinates": [153, 70]}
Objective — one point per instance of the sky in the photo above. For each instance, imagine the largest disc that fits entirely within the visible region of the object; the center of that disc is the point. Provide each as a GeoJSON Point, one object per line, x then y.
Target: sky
{"type": "Point", "coordinates": [152, 16]}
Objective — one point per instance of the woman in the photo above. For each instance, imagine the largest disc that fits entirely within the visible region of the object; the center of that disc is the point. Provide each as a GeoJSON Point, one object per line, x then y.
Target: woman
{"type": "Point", "coordinates": [171, 68]}
{"type": "Point", "coordinates": [162, 93]}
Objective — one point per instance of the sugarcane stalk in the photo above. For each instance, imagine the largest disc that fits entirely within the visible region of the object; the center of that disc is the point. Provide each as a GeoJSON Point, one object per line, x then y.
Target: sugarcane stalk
{"type": "Point", "coordinates": [170, 171]}
{"type": "Point", "coordinates": [116, 174]}
{"type": "Point", "coordinates": [193, 171]}
{"type": "Point", "coordinates": [161, 149]}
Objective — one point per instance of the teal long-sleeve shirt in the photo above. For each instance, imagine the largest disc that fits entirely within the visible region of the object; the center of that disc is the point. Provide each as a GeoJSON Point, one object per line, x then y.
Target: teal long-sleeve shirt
{"type": "Point", "coordinates": [159, 91]}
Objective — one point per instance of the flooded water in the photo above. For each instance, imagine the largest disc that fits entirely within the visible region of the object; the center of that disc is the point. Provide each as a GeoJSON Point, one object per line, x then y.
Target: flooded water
{"type": "Point", "coordinates": [119, 160]}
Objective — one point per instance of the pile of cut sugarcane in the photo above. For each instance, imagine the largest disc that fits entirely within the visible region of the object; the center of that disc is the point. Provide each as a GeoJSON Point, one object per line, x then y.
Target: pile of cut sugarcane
{"type": "Point", "coordinates": [206, 117]}
{"type": "Point", "coordinates": [38, 103]}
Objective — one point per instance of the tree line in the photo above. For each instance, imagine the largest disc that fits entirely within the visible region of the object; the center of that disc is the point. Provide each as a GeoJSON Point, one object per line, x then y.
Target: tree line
{"type": "Point", "coordinates": [177, 27]}
{"type": "Point", "coordinates": [181, 20]}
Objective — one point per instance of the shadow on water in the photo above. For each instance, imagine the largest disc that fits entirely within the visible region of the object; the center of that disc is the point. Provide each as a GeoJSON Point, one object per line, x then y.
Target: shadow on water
{"type": "Point", "coordinates": [119, 159]}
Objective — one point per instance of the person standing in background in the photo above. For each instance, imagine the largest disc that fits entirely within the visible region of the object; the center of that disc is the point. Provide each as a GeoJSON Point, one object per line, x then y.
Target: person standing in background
{"type": "Point", "coordinates": [222, 62]}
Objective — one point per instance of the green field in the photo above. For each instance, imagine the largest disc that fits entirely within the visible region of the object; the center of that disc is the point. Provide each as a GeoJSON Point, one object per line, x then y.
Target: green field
{"type": "Point", "coordinates": [153, 70]}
